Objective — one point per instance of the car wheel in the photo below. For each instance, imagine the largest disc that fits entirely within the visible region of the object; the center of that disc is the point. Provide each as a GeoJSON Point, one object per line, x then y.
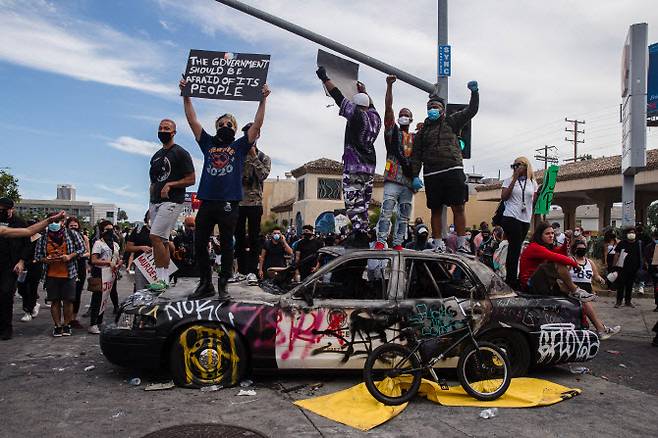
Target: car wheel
{"type": "Point", "coordinates": [516, 347]}
{"type": "Point", "coordinates": [207, 354]}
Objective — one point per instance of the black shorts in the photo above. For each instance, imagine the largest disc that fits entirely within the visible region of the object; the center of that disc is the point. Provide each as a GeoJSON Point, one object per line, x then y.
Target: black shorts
{"type": "Point", "coordinates": [60, 289]}
{"type": "Point", "coordinates": [447, 188]}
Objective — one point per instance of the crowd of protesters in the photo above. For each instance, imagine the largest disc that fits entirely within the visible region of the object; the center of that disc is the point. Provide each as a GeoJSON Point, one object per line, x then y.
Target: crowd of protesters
{"type": "Point", "coordinates": [549, 262]}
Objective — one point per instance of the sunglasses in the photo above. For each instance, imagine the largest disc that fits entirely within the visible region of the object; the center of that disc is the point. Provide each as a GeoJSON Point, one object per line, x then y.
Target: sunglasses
{"type": "Point", "coordinates": [515, 165]}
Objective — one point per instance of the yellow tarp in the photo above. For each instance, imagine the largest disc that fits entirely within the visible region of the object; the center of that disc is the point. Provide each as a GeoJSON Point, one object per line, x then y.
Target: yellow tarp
{"type": "Point", "coordinates": [355, 406]}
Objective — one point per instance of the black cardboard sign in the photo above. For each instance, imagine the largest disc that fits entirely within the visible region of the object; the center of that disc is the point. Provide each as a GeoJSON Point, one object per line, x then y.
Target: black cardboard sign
{"type": "Point", "coordinates": [225, 75]}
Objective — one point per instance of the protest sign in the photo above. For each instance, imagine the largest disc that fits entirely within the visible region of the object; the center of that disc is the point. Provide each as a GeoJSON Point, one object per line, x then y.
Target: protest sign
{"type": "Point", "coordinates": [343, 73]}
{"type": "Point", "coordinates": [545, 197]}
{"type": "Point", "coordinates": [225, 75]}
{"type": "Point", "coordinates": [107, 277]}
{"type": "Point", "coordinates": [146, 265]}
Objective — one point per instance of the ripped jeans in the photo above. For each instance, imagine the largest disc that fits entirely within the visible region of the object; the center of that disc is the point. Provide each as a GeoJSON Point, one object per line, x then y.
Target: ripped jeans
{"type": "Point", "coordinates": [400, 197]}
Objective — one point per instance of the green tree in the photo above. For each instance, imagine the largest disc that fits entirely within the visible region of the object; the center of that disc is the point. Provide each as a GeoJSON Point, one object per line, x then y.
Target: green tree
{"type": "Point", "coordinates": [653, 214]}
{"type": "Point", "coordinates": [9, 186]}
{"type": "Point", "coordinates": [122, 215]}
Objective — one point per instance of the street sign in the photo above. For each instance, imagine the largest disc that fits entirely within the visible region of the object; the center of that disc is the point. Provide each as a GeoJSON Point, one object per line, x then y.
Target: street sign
{"type": "Point", "coordinates": [652, 86]}
{"type": "Point", "coordinates": [445, 60]}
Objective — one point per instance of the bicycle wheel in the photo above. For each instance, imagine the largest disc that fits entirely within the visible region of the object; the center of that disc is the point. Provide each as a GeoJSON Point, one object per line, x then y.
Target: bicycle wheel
{"type": "Point", "coordinates": [391, 361]}
{"type": "Point", "coordinates": [485, 372]}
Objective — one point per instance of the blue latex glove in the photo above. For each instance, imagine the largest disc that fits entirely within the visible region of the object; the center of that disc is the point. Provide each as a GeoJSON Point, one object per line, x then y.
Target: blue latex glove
{"type": "Point", "coordinates": [472, 85]}
{"type": "Point", "coordinates": [416, 184]}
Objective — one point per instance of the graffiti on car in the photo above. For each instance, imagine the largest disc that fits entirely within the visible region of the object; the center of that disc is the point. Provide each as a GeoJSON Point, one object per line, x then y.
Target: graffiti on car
{"type": "Point", "coordinates": [564, 343]}
{"type": "Point", "coordinates": [208, 352]}
{"type": "Point", "coordinates": [438, 319]}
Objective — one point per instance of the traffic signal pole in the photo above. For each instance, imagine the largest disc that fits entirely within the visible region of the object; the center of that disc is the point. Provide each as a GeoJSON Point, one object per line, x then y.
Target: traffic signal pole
{"type": "Point", "coordinates": [442, 81]}
{"type": "Point", "coordinates": [338, 47]}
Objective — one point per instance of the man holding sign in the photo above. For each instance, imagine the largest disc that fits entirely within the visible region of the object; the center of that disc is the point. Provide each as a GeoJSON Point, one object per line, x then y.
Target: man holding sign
{"type": "Point", "coordinates": [220, 187]}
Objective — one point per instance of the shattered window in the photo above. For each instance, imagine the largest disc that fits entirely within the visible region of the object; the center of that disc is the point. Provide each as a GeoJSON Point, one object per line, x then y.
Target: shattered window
{"type": "Point", "coordinates": [356, 279]}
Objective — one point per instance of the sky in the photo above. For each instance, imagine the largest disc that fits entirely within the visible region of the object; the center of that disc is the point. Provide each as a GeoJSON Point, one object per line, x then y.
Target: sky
{"type": "Point", "coordinates": [85, 82]}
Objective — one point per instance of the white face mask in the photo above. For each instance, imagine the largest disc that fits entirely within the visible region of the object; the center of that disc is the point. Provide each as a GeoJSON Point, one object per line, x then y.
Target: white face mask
{"type": "Point", "coordinates": [576, 233]}
{"type": "Point", "coordinates": [631, 236]}
{"type": "Point", "coordinates": [404, 121]}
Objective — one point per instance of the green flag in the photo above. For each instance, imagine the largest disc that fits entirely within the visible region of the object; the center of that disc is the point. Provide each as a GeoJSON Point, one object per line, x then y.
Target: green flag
{"type": "Point", "coordinates": [545, 197]}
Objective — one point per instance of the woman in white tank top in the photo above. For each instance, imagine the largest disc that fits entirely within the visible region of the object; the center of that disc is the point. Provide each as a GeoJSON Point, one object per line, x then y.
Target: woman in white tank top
{"type": "Point", "coordinates": [583, 275]}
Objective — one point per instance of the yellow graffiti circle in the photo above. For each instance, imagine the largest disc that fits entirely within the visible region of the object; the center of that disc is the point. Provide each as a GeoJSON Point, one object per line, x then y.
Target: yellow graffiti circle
{"type": "Point", "coordinates": [209, 353]}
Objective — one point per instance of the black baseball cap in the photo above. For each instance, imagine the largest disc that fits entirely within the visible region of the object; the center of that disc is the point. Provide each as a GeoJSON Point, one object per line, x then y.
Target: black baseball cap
{"type": "Point", "coordinates": [6, 202]}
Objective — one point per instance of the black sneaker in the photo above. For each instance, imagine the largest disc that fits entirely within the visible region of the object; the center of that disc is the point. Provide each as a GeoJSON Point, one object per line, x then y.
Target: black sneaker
{"type": "Point", "coordinates": [58, 331]}
{"type": "Point", "coordinates": [66, 330]}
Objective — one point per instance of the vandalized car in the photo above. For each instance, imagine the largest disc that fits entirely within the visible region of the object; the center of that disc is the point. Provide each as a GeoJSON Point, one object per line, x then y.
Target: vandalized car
{"type": "Point", "coordinates": [338, 315]}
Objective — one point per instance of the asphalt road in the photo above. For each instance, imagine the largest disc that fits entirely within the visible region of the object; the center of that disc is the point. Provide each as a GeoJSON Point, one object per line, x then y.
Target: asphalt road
{"type": "Point", "coordinates": [45, 391]}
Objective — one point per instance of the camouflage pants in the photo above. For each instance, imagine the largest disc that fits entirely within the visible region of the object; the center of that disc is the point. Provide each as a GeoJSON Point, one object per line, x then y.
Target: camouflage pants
{"type": "Point", "coordinates": [357, 192]}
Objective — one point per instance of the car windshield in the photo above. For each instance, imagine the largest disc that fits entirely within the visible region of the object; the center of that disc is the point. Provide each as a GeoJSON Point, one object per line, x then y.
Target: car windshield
{"type": "Point", "coordinates": [495, 285]}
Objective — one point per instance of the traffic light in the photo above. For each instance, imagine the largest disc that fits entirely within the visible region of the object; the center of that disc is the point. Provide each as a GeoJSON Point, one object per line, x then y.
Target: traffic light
{"type": "Point", "coordinates": [463, 136]}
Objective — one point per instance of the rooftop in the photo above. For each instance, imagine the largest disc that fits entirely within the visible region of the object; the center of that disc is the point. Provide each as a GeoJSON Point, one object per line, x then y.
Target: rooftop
{"type": "Point", "coordinates": [325, 166]}
{"type": "Point", "coordinates": [586, 169]}
{"type": "Point", "coordinates": [283, 206]}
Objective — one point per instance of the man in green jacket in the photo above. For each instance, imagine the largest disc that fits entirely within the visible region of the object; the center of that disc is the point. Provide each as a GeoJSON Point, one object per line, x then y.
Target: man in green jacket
{"type": "Point", "coordinates": [436, 149]}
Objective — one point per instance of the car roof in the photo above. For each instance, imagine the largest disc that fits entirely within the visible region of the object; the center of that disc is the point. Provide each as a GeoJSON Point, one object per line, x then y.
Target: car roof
{"type": "Point", "coordinates": [338, 251]}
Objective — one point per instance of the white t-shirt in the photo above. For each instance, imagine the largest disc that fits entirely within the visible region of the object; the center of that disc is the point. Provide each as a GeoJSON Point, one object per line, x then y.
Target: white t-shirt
{"type": "Point", "coordinates": [103, 251]}
{"type": "Point", "coordinates": [559, 238]}
{"type": "Point", "coordinates": [521, 196]}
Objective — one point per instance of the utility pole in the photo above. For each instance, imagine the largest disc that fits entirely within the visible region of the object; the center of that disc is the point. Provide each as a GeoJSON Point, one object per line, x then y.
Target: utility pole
{"type": "Point", "coordinates": [574, 140]}
{"type": "Point", "coordinates": [442, 81]}
{"type": "Point", "coordinates": [545, 157]}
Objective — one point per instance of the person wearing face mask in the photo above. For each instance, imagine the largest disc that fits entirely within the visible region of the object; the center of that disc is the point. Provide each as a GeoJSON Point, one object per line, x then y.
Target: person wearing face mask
{"type": "Point", "coordinates": [184, 252]}
{"type": "Point", "coordinates": [105, 253]}
{"type": "Point", "coordinates": [273, 254]}
{"type": "Point", "coordinates": [73, 224]}
{"type": "Point", "coordinates": [628, 257]}
{"type": "Point", "coordinates": [586, 271]}
{"type": "Point", "coordinates": [59, 249]}
{"type": "Point", "coordinates": [420, 243]}
{"type": "Point", "coordinates": [171, 171]}
{"type": "Point", "coordinates": [436, 150]}
{"type": "Point", "coordinates": [651, 264]}
{"type": "Point", "coordinates": [220, 188]}
{"type": "Point", "coordinates": [359, 158]}
{"type": "Point", "coordinates": [138, 242]}
{"type": "Point", "coordinates": [398, 193]}
{"type": "Point", "coordinates": [257, 167]}
{"type": "Point", "coordinates": [306, 253]}
{"type": "Point", "coordinates": [518, 193]}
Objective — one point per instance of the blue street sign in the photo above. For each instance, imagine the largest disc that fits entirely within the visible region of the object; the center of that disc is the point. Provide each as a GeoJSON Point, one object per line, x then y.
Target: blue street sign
{"type": "Point", "coordinates": [444, 60]}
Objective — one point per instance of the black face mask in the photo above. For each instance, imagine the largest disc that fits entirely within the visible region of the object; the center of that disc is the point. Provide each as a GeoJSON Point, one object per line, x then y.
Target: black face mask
{"type": "Point", "coordinates": [108, 236]}
{"type": "Point", "coordinates": [165, 136]}
{"type": "Point", "coordinates": [580, 252]}
{"type": "Point", "coordinates": [225, 135]}
{"type": "Point", "coordinates": [307, 236]}
{"type": "Point", "coordinates": [4, 215]}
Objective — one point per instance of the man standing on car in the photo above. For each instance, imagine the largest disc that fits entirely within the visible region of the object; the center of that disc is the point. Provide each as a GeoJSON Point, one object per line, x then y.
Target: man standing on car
{"type": "Point", "coordinates": [171, 171]}
{"type": "Point", "coordinates": [256, 170]}
{"type": "Point", "coordinates": [398, 194]}
{"type": "Point", "coordinates": [436, 150]}
{"type": "Point", "coordinates": [220, 188]}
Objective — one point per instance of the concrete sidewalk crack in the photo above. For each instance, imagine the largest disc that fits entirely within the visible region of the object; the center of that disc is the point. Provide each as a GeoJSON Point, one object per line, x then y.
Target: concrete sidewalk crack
{"type": "Point", "coordinates": [287, 395]}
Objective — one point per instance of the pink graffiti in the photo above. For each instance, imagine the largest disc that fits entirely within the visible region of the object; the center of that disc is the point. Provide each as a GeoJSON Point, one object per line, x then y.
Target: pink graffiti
{"type": "Point", "coordinates": [258, 320]}
{"type": "Point", "coordinates": [302, 330]}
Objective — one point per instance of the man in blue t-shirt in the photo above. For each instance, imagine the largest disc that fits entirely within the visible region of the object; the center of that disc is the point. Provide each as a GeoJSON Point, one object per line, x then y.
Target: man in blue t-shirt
{"type": "Point", "coordinates": [220, 189]}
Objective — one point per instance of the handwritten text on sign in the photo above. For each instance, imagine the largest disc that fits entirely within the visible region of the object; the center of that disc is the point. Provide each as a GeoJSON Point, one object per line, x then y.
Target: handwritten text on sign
{"type": "Point", "coordinates": [545, 197]}
{"type": "Point", "coordinates": [146, 265]}
{"type": "Point", "coordinates": [225, 75]}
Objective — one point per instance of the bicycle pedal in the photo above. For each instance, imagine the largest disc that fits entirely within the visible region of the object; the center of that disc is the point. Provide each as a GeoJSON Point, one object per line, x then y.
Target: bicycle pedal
{"type": "Point", "coordinates": [444, 385]}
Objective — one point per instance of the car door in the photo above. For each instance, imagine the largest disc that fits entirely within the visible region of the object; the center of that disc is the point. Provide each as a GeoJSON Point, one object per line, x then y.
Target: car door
{"type": "Point", "coordinates": [435, 295]}
{"type": "Point", "coordinates": [341, 313]}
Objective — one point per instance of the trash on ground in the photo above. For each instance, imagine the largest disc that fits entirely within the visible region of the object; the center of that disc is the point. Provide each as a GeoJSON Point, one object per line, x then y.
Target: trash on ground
{"type": "Point", "coordinates": [247, 392]}
{"type": "Point", "coordinates": [604, 378]}
{"type": "Point", "coordinates": [59, 369]}
{"type": "Point", "coordinates": [246, 383]}
{"type": "Point", "coordinates": [135, 381]}
{"type": "Point", "coordinates": [160, 386]}
{"type": "Point", "coordinates": [12, 364]}
{"type": "Point", "coordinates": [622, 365]}
{"type": "Point", "coordinates": [118, 414]}
{"type": "Point", "coordinates": [489, 413]}
{"type": "Point", "coordinates": [90, 367]}
{"type": "Point", "coordinates": [615, 352]}
{"type": "Point", "coordinates": [293, 388]}
{"type": "Point", "coordinates": [244, 402]}
{"type": "Point", "coordinates": [316, 386]}
{"type": "Point", "coordinates": [211, 388]}
{"type": "Point", "coordinates": [579, 370]}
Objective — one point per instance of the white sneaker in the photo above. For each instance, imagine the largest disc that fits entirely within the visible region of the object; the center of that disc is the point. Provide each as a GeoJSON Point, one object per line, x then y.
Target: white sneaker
{"type": "Point", "coordinates": [35, 311]}
{"type": "Point", "coordinates": [252, 280]}
{"type": "Point", "coordinates": [609, 332]}
{"type": "Point", "coordinates": [439, 245]}
{"type": "Point", "coordinates": [94, 330]}
{"type": "Point", "coordinates": [582, 295]}
{"type": "Point", "coordinates": [236, 278]}
{"type": "Point", "coordinates": [27, 317]}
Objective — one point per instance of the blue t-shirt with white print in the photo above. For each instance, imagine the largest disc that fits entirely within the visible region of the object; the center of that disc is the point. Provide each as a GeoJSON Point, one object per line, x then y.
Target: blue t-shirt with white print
{"type": "Point", "coordinates": [221, 178]}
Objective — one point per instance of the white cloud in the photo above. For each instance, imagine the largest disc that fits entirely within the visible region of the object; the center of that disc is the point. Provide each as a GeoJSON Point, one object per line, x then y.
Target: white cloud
{"type": "Point", "coordinates": [38, 36]}
{"type": "Point", "coordinates": [135, 146]}
{"type": "Point", "coordinates": [125, 191]}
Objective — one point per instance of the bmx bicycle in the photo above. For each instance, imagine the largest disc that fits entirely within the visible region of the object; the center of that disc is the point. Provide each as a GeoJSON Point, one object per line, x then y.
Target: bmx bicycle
{"type": "Point", "coordinates": [483, 369]}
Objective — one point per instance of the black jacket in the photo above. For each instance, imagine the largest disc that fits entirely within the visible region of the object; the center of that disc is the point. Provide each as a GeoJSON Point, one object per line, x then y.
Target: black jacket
{"type": "Point", "coordinates": [14, 249]}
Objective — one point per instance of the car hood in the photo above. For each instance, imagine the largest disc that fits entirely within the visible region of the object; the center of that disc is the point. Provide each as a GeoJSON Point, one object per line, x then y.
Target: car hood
{"type": "Point", "coordinates": [239, 292]}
